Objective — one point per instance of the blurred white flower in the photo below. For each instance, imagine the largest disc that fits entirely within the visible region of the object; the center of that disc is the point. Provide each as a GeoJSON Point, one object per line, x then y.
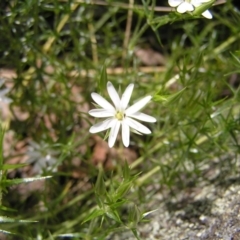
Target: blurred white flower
{"type": "Point", "coordinates": [41, 157]}
{"type": "Point", "coordinates": [3, 92]}
{"type": "Point", "coordinates": [120, 114]}
{"type": "Point", "coordinates": [189, 6]}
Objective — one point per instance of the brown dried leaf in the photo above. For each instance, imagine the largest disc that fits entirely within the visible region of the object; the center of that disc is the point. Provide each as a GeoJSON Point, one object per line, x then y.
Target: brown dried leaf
{"type": "Point", "coordinates": [100, 151]}
{"type": "Point", "coordinates": [149, 57]}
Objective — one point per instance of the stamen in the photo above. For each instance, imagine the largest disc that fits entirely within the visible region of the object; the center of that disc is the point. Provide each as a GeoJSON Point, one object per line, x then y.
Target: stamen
{"type": "Point", "coordinates": [119, 115]}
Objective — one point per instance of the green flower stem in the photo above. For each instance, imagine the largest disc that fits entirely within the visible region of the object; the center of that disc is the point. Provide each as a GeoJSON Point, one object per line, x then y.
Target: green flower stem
{"type": "Point", "coordinates": [1, 161]}
{"type": "Point", "coordinates": [50, 41]}
{"type": "Point", "coordinates": [223, 46]}
{"type": "Point", "coordinates": [146, 176]}
{"type": "Point", "coordinates": [198, 141]}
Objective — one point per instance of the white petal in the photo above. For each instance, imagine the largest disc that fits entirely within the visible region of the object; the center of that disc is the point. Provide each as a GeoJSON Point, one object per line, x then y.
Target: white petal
{"type": "Point", "coordinates": [1, 82]}
{"type": "Point", "coordinates": [127, 95]}
{"type": "Point", "coordinates": [142, 117]}
{"type": "Point", "coordinates": [113, 94]}
{"type": "Point", "coordinates": [102, 101]}
{"type": "Point", "coordinates": [101, 113]}
{"type": "Point", "coordinates": [196, 3]}
{"type": "Point", "coordinates": [102, 126]}
{"type": "Point", "coordinates": [4, 92]}
{"type": "Point", "coordinates": [207, 14]}
{"type": "Point", "coordinates": [113, 133]}
{"type": "Point", "coordinates": [125, 133]}
{"type": "Point", "coordinates": [137, 126]}
{"type": "Point", "coordinates": [174, 3]}
{"type": "Point", "coordinates": [185, 7]}
{"type": "Point", "coordinates": [138, 105]}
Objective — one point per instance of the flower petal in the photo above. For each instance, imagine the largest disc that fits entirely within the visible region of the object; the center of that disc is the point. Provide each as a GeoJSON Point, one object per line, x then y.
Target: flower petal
{"type": "Point", "coordinates": [207, 14]}
{"type": "Point", "coordinates": [185, 7]}
{"type": "Point", "coordinates": [102, 126]}
{"type": "Point", "coordinates": [102, 101]}
{"type": "Point", "coordinates": [174, 3]}
{"type": "Point", "coordinates": [126, 96]}
{"type": "Point", "coordinates": [142, 117]}
{"type": "Point", "coordinates": [113, 133]}
{"type": "Point", "coordinates": [4, 92]}
{"type": "Point", "coordinates": [125, 133]}
{"type": "Point", "coordinates": [197, 3]}
{"type": "Point", "coordinates": [137, 126]}
{"type": "Point", "coordinates": [138, 105]}
{"type": "Point", "coordinates": [101, 113]}
{"type": "Point", "coordinates": [113, 94]}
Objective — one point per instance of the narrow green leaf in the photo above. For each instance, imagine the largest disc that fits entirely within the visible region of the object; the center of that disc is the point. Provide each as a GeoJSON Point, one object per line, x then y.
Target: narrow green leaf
{"type": "Point", "coordinates": [103, 79]}
{"type": "Point", "coordinates": [122, 190]}
{"type": "Point", "coordinates": [134, 215]}
{"type": "Point", "coordinates": [3, 208]}
{"type": "Point", "coordinates": [4, 219]}
{"type": "Point", "coordinates": [106, 135]}
{"type": "Point", "coordinates": [13, 166]}
{"type": "Point", "coordinates": [118, 204]}
{"type": "Point", "coordinates": [94, 214]}
{"type": "Point", "coordinates": [150, 212]}
{"type": "Point", "coordinates": [157, 22]}
{"type": "Point", "coordinates": [236, 58]}
{"type": "Point", "coordinates": [160, 21]}
{"type": "Point", "coordinates": [114, 215]}
{"type": "Point", "coordinates": [71, 235]}
{"type": "Point", "coordinates": [237, 53]}
{"type": "Point", "coordinates": [1, 146]}
{"type": "Point", "coordinates": [167, 99]}
{"type": "Point", "coordinates": [100, 188]}
{"type": "Point", "coordinates": [148, 12]}
{"type": "Point", "coordinates": [160, 98]}
{"type": "Point", "coordinates": [5, 232]}
{"type": "Point", "coordinates": [126, 171]}
{"type": "Point", "coordinates": [10, 182]}
{"type": "Point", "coordinates": [134, 231]}
{"type": "Point", "coordinates": [203, 7]}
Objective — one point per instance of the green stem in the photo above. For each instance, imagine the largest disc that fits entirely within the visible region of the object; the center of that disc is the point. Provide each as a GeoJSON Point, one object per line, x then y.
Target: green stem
{"type": "Point", "coordinates": [142, 179]}
{"type": "Point", "coordinates": [1, 161]}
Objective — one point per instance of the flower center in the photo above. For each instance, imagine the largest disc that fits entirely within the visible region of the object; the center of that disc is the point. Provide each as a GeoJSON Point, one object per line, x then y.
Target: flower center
{"type": "Point", "coordinates": [119, 115]}
{"type": "Point", "coordinates": [188, 1]}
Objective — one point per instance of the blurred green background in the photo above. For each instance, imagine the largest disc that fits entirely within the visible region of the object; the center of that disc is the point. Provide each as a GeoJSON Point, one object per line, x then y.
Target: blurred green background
{"type": "Point", "coordinates": [53, 53]}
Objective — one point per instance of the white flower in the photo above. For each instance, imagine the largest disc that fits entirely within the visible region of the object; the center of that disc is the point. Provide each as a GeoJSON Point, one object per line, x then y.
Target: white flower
{"type": "Point", "coordinates": [120, 114]}
{"type": "Point", "coordinates": [42, 157]}
{"type": "Point", "coordinates": [3, 92]}
{"type": "Point", "coordinates": [189, 6]}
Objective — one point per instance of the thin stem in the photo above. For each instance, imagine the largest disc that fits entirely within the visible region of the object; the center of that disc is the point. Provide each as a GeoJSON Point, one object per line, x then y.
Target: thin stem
{"type": "Point", "coordinates": [49, 42]}
{"type": "Point", "coordinates": [142, 179]}
{"type": "Point", "coordinates": [93, 43]}
{"type": "Point", "coordinates": [1, 161]}
{"type": "Point", "coordinates": [128, 29]}
{"type": "Point", "coordinates": [138, 7]}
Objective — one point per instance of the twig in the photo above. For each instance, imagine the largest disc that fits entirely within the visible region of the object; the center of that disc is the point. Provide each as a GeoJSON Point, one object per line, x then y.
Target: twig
{"type": "Point", "coordinates": [126, 6]}
{"type": "Point", "coordinates": [49, 42]}
{"type": "Point", "coordinates": [61, 24]}
{"type": "Point", "coordinates": [10, 74]}
{"type": "Point", "coordinates": [93, 43]}
{"type": "Point", "coordinates": [116, 71]}
{"type": "Point", "coordinates": [128, 29]}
